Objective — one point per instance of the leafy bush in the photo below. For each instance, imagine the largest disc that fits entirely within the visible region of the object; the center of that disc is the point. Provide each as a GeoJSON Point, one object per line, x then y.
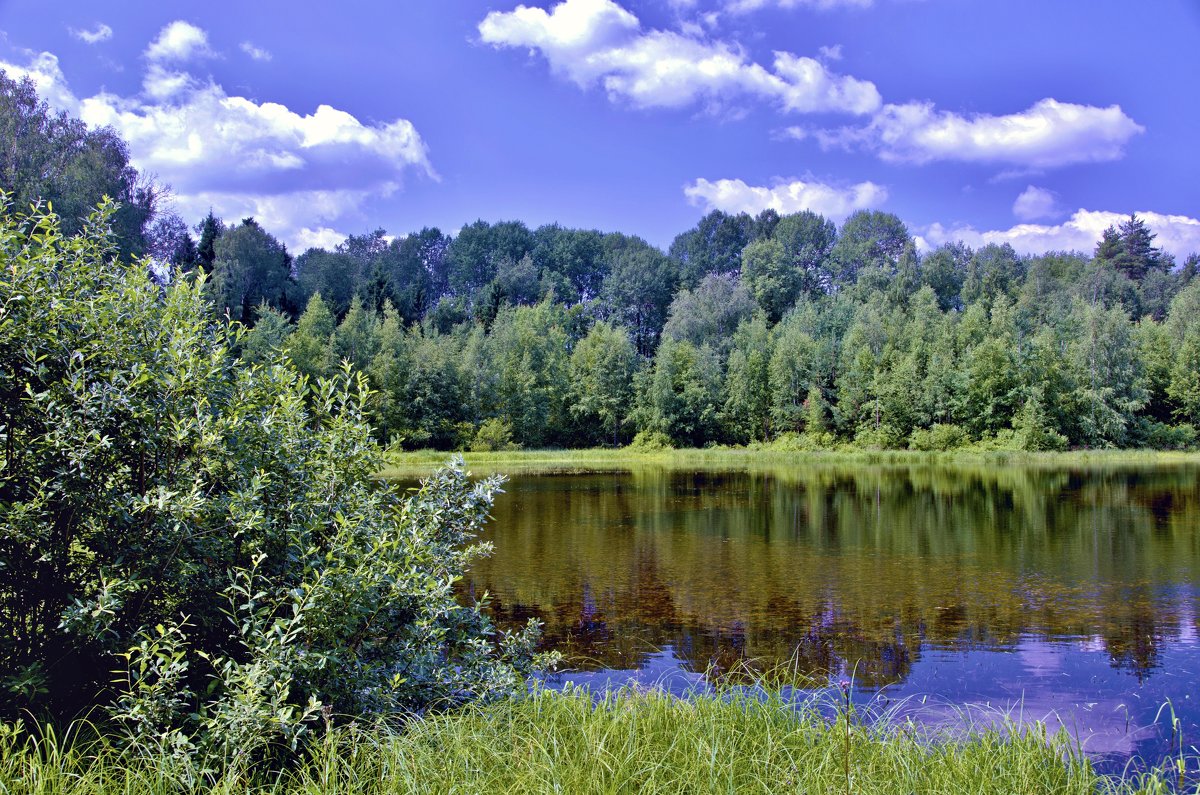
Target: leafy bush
{"type": "Point", "coordinates": [651, 441]}
{"type": "Point", "coordinates": [938, 437]}
{"type": "Point", "coordinates": [791, 442]}
{"type": "Point", "coordinates": [882, 436]}
{"type": "Point", "coordinates": [1032, 428]}
{"type": "Point", "coordinates": [493, 435]}
{"type": "Point", "coordinates": [1160, 436]}
{"type": "Point", "coordinates": [213, 525]}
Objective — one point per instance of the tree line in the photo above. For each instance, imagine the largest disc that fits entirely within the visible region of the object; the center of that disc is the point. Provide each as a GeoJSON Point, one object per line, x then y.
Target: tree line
{"type": "Point", "coordinates": [767, 329]}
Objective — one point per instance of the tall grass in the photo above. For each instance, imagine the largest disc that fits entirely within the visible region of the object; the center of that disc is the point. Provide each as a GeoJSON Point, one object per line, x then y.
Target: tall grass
{"type": "Point", "coordinates": [628, 742]}
{"type": "Point", "coordinates": [422, 462]}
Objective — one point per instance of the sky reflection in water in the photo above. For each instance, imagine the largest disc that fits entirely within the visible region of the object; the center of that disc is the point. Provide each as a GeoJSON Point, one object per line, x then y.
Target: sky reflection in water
{"type": "Point", "coordinates": [1067, 596]}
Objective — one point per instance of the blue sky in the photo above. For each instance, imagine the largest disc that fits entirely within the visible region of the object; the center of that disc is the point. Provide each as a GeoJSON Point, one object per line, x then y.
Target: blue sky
{"type": "Point", "coordinates": [1033, 122]}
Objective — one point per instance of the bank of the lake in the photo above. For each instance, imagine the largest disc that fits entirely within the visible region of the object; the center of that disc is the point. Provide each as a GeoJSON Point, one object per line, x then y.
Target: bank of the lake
{"type": "Point", "coordinates": [421, 462]}
{"type": "Point", "coordinates": [644, 742]}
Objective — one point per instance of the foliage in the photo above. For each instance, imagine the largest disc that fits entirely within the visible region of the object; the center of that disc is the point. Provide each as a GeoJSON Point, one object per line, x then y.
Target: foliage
{"type": "Point", "coordinates": [938, 437]}
{"type": "Point", "coordinates": [651, 441]}
{"type": "Point", "coordinates": [52, 158]}
{"type": "Point", "coordinates": [627, 742]}
{"type": "Point", "coordinates": [214, 524]}
{"type": "Point", "coordinates": [493, 435]}
{"type": "Point", "coordinates": [250, 266]}
{"type": "Point", "coordinates": [577, 337]}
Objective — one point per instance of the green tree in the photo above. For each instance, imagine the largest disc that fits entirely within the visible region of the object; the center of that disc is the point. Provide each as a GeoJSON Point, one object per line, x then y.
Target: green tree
{"type": "Point", "coordinates": [603, 365]}
{"type": "Point", "coordinates": [264, 343]}
{"type": "Point", "coordinates": [993, 390]}
{"type": "Point", "coordinates": [310, 347]}
{"type": "Point", "coordinates": [747, 412]}
{"type": "Point", "coordinates": [869, 240]}
{"type": "Point", "coordinates": [356, 339]}
{"type": "Point", "coordinates": [336, 275]}
{"type": "Point", "coordinates": [213, 528]}
{"type": "Point", "coordinates": [793, 373]}
{"type": "Point", "coordinates": [1110, 386]}
{"type": "Point", "coordinates": [527, 350]}
{"type": "Point", "coordinates": [209, 230]}
{"type": "Point", "coordinates": [793, 262]}
{"type": "Point", "coordinates": [638, 289]}
{"type": "Point", "coordinates": [681, 395]}
{"type": "Point", "coordinates": [709, 314]}
{"type": "Point", "coordinates": [250, 267]}
{"type": "Point", "coordinates": [712, 248]}
{"type": "Point", "coordinates": [52, 157]}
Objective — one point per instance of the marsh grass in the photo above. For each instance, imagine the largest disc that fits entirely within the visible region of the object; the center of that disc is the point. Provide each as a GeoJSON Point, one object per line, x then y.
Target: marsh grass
{"type": "Point", "coordinates": [629, 741]}
{"type": "Point", "coordinates": [422, 462]}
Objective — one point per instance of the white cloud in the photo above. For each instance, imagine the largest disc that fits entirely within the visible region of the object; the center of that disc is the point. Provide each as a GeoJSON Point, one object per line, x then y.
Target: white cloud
{"type": "Point", "coordinates": [1049, 133]}
{"type": "Point", "coordinates": [257, 53]}
{"type": "Point", "coordinates": [598, 41]}
{"type": "Point", "coordinates": [322, 237]}
{"type": "Point", "coordinates": [179, 41]}
{"type": "Point", "coordinates": [833, 53]}
{"type": "Point", "coordinates": [735, 196]}
{"type": "Point", "coordinates": [291, 170]}
{"type": "Point", "coordinates": [47, 77]}
{"type": "Point", "coordinates": [1179, 235]}
{"type": "Point", "coordinates": [101, 33]}
{"type": "Point", "coordinates": [745, 6]}
{"type": "Point", "coordinates": [1035, 204]}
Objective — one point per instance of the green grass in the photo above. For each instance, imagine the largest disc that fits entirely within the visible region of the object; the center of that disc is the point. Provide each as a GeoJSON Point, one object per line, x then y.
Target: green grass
{"type": "Point", "coordinates": [628, 743]}
{"type": "Point", "coordinates": [422, 462]}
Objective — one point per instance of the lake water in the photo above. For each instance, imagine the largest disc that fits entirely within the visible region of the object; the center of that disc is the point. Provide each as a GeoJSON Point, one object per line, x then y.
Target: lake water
{"type": "Point", "coordinates": [1063, 595]}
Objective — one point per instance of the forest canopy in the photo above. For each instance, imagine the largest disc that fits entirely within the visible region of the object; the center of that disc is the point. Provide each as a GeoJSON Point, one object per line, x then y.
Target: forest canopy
{"type": "Point", "coordinates": [767, 329]}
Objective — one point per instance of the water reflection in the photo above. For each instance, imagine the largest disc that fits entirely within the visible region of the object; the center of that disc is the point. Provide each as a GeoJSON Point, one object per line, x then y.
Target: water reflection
{"type": "Point", "coordinates": [1062, 588]}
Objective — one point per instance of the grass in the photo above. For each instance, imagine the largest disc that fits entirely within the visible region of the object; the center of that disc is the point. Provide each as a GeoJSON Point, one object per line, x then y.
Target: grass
{"type": "Point", "coordinates": [628, 742]}
{"type": "Point", "coordinates": [422, 462]}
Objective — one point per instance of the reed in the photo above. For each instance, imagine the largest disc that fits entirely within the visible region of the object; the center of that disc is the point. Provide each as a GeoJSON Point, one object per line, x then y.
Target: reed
{"type": "Point", "coordinates": [736, 740]}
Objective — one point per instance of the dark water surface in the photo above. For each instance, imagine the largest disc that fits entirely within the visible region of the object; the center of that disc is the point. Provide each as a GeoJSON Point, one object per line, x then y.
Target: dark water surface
{"type": "Point", "coordinates": [1064, 595]}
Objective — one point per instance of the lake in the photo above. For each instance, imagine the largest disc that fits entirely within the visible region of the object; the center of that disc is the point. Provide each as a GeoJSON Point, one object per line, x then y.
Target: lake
{"type": "Point", "coordinates": [1063, 595]}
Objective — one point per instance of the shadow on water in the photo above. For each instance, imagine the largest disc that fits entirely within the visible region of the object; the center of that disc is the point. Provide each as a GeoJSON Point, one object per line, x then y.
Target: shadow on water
{"type": "Point", "coordinates": [1068, 595]}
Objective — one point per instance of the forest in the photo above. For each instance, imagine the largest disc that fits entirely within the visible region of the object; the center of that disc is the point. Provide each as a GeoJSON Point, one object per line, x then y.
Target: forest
{"type": "Point", "coordinates": [788, 330]}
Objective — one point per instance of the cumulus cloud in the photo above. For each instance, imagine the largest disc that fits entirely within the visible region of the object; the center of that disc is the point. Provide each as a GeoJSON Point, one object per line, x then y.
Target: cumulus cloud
{"type": "Point", "coordinates": [179, 41]}
{"type": "Point", "coordinates": [1035, 204]}
{"type": "Point", "coordinates": [745, 6]}
{"type": "Point", "coordinates": [599, 42]}
{"type": "Point", "coordinates": [1048, 134]}
{"type": "Point", "coordinates": [292, 170]}
{"type": "Point", "coordinates": [100, 33]}
{"type": "Point", "coordinates": [257, 53]}
{"type": "Point", "coordinates": [735, 196]}
{"type": "Point", "coordinates": [1178, 235]}
{"type": "Point", "coordinates": [47, 77]}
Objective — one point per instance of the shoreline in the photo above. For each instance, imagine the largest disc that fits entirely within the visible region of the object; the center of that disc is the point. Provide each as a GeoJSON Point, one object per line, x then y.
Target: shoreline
{"type": "Point", "coordinates": [418, 463]}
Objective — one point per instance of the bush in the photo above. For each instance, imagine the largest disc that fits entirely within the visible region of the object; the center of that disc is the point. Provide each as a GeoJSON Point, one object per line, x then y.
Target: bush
{"type": "Point", "coordinates": [883, 436]}
{"type": "Point", "coordinates": [211, 528]}
{"type": "Point", "coordinates": [938, 437]}
{"type": "Point", "coordinates": [791, 442]}
{"type": "Point", "coordinates": [651, 441]}
{"type": "Point", "coordinates": [1160, 436]}
{"type": "Point", "coordinates": [493, 435]}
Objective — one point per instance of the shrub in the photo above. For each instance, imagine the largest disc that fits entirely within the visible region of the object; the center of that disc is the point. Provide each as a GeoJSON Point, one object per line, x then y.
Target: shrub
{"type": "Point", "coordinates": [883, 436]}
{"type": "Point", "coordinates": [791, 442]}
{"type": "Point", "coordinates": [212, 527]}
{"type": "Point", "coordinates": [938, 437]}
{"type": "Point", "coordinates": [494, 434]}
{"type": "Point", "coordinates": [651, 441]}
{"type": "Point", "coordinates": [1160, 436]}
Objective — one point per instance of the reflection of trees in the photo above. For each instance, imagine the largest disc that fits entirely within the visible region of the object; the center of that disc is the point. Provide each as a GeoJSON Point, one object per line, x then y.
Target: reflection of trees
{"type": "Point", "coordinates": [834, 567]}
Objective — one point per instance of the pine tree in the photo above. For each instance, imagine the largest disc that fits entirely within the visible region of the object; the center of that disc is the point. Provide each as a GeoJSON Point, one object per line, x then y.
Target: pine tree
{"type": "Point", "coordinates": [209, 230]}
